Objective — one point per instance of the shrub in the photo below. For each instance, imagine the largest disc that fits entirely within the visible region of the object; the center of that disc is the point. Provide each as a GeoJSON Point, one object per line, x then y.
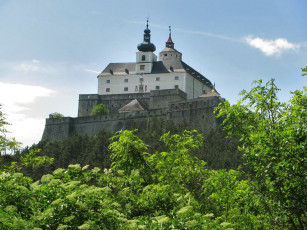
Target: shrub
{"type": "Point", "coordinates": [99, 109]}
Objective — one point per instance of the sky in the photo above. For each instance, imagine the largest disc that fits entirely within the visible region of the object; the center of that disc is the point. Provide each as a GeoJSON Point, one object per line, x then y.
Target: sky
{"type": "Point", "coordinates": [52, 50]}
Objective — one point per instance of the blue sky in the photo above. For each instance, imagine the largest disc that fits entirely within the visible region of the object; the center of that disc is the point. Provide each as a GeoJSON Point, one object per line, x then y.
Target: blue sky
{"type": "Point", "coordinates": [52, 50]}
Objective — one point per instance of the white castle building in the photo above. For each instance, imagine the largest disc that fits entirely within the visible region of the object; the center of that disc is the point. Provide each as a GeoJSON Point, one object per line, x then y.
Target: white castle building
{"type": "Point", "coordinates": [138, 92]}
{"type": "Point", "coordinates": [147, 73]}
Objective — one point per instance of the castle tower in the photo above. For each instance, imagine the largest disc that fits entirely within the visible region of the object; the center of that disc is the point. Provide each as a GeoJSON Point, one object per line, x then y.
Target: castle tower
{"type": "Point", "coordinates": [169, 52]}
{"type": "Point", "coordinates": [145, 57]}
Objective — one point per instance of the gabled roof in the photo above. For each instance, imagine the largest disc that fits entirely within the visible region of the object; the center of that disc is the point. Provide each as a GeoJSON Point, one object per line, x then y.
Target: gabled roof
{"type": "Point", "coordinates": [159, 67]}
{"type": "Point", "coordinates": [133, 106]}
{"type": "Point", "coordinates": [119, 69]}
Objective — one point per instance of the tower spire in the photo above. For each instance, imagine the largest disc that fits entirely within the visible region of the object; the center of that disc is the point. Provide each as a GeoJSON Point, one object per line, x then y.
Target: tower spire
{"type": "Point", "coordinates": [146, 46]}
{"type": "Point", "coordinates": [170, 43]}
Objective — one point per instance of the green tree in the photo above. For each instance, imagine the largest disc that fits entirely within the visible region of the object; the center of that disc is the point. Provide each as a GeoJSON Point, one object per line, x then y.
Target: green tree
{"type": "Point", "coordinates": [6, 144]}
{"type": "Point", "coordinates": [56, 115]}
{"type": "Point", "coordinates": [304, 70]}
{"type": "Point", "coordinates": [274, 138]}
{"type": "Point", "coordinates": [100, 109]}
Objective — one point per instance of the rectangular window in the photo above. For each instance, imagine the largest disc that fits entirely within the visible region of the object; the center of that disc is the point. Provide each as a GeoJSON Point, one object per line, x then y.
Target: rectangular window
{"type": "Point", "coordinates": [176, 78]}
{"type": "Point", "coordinates": [157, 78]}
{"type": "Point", "coordinates": [108, 81]}
{"type": "Point", "coordinates": [126, 80]}
{"type": "Point", "coordinates": [107, 89]}
{"type": "Point", "coordinates": [141, 79]}
{"type": "Point", "coordinates": [141, 88]}
{"type": "Point", "coordinates": [157, 87]}
{"type": "Point", "coordinates": [126, 89]}
{"type": "Point", "coordinates": [176, 87]}
{"type": "Point", "coordinates": [142, 67]}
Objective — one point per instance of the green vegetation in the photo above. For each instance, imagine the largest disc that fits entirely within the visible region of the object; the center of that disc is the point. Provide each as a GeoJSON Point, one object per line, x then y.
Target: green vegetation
{"type": "Point", "coordinates": [304, 70]}
{"type": "Point", "coordinates": [154, 191]}
{"type": "Point", "coordinates": [274, 138]}
{"type": "Point", "coordinates": [56, 115]}
{"type": "Point", "coordinates": [100, 109]}
{"type": "Point", "coordinates": [6, 144]}
{"type": "Point", "coordinates": [159, 180]}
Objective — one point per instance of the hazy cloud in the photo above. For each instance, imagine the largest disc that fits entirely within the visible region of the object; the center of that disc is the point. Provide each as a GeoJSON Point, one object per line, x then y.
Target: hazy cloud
{"type": "Point", "coordinates": [16, 100]}
{"type": "Point", "coordinates": [203, 33]}
{"type": "Point", "coordinates": [270, 47]}
{"type": "Point", "coordinates": [92, 71]}
{"type": "Point", "coordinates": [33, 66]}
{"type": "Point", "coordinates": [15, 97]}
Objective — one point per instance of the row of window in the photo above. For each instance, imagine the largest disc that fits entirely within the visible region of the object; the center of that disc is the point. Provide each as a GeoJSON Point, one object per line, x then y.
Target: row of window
{"type": "Point", "coordinates": [141, 79]}
{"type": "Point", "coordinates": [140, 88]}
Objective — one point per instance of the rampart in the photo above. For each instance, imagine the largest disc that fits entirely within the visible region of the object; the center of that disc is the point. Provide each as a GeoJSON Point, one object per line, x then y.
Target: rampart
{"type": "Point", "coordinates": [166, 104]}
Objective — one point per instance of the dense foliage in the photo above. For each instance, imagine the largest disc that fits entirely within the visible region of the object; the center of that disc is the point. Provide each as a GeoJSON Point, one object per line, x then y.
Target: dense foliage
{"type": "Point", "coordinates": [100, 109]}
{"type": "Point", "coordinates": [218, 151]}
{"type": "Point", "coordinates": [158, 180]}
{"type": "Point", "coordinates": [56, 115]}
{"type": "Point", "coordinates": [274, 139]}
{"type": "Point", "coordinates": [6, 144]}
{"type": "Point", "coordinates": [164, 190]}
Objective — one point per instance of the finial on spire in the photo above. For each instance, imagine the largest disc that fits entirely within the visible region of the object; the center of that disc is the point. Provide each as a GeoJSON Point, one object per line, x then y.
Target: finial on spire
{"type": "Point", "coordinates": [170, 43]}
{"type": "Point", "coordinates": [146, 46]}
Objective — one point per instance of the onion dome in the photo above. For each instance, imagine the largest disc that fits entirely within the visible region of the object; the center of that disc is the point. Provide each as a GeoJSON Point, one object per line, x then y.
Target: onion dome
{"type": "Point", "coordinates": [146, 46]}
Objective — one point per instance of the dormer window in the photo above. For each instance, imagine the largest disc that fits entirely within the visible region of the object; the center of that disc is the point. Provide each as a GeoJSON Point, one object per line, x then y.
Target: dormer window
{"type": "Point", "coordinates": [143, 57]}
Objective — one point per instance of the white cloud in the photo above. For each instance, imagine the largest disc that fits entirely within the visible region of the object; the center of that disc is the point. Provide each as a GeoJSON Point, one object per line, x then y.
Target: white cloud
{"type": "Point", "coordinates": [203, 33]}
{"type": "Point", "coordinates": [92, 71]}
{"type": "Point", "coordinates": [15, 96]}
{"type": "Point", "coordinates": [32, 66]}
{"type": "Point", "coordinates": [16, 100]}
{"type": "Point", "coordinates": [35, 61]}
{"type": "Point", "coordinates": [27, 68]}
{"type": "Point", "coordinates": [270, 47]}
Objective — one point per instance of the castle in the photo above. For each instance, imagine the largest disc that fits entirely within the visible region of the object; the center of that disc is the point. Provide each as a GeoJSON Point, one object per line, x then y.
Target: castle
{"type": "Point", "coordinates": [137, 92]}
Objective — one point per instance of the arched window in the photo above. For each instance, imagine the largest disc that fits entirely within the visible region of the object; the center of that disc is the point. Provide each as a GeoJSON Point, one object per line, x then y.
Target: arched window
{"type": "Point", "coordinates": [143, 57]}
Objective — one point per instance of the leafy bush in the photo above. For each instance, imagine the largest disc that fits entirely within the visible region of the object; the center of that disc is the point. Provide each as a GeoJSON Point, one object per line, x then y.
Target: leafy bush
{"type": "Point", "coordinates": [164, 190]}
{"type": "Point", "coordinates": [100, 109]}
{"type": "Point", "coordinates": [56, 115]}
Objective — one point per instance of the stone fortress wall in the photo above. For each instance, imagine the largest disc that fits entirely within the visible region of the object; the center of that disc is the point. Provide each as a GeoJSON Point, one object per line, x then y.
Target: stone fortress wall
{"type": "Point", "coordinates": [166, 104]}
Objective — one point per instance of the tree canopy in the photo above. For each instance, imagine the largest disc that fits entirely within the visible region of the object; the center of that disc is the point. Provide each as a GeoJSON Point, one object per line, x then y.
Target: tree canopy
{"type": "Point", "coordinates": [274, 138]}
{"type": "Point", "coordinates": [165, 186]}
{"type": "Point", "coordinates": [100, 109]}
{"type": "Point", "coordinates": [6, 144]}
{"type": "Point", "coordinates": [56, 115]}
